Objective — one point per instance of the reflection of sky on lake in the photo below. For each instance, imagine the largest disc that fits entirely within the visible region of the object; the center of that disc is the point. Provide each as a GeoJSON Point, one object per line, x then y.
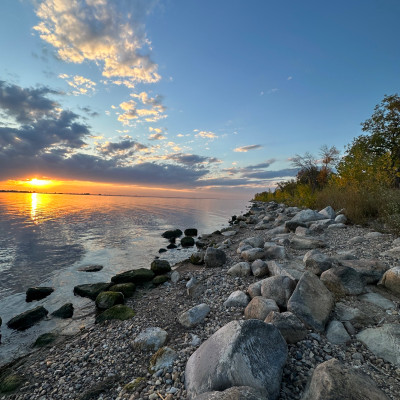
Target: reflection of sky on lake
{"type": "Point", "coordinates": [45, 238]}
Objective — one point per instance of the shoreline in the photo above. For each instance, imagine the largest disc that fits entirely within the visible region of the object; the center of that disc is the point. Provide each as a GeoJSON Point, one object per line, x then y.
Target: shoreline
{"type": "Point", "coordinates": [102, 361]}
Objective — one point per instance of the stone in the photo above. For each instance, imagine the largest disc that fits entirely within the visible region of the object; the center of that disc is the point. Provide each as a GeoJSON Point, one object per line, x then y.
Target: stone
{"type": "Point", "coordinates": [279, 288]}
{"type": "Point", "coordinates": [194, 315]}
{"type": "Point", "coordinates": [119, 312]}
{"type": "Point", "coordinates": [107, 300]}
{"type": "Point", "coordinates": [259, 307]}
{"type": "Point", "coordinates": [259, 268]}
{"type": "Point", "coordinates": [91, 290]}
{"type": "Point", "coordinates": [290, 327]}
{"type": "Point", "coordinates": [159, 280]}
{"type": "Point", "coordinates": [136, 276]}
{"type": "Point", "coordinates": [254, 289]}
{"type": "Point", "coordinates": [229, 233]}
{"type": "Point", "coordinates": [383, 341]}
{"type": "Point", "coordinates": [391, 280]}
{"type": "Point", "coordinates": [162, 250]}
{"type": "Point", "coordinates": [127, 289]}
{"type": "Point", "coordinates": [45, 339]}
{"type": "Point", "coordinates": [190, 232]}
{"type": "Point", "coordinates": [237, 299]}
{"type": "Point", "coordinates": [374, 235]}
{"type": "Point", "coordinates": [317, 262]}
{"type": "Point", "coordinates": [234, 393]}
{"type": "Point", "coordinates": [91, 268]}
{"type": "Point", "coordinates": [9, 382]}
{"type": "Point", "coordinates": [172, 234]}
{"type": "Point", "coordinates": [276, 251]}
{"type": "Point", "coordinates": [311, 302]}
{"type": "Point", "coordinates": [342, 281]}
{"type": "Point", "coordinates": [378, 300]}
{"type": "Point", "coordinates": [307, 216]}
{"type": "Point", "coordinates": [38, 293]}
{"type": "Point", "coordinates": [303, 243]}
{"type": "Point", "coordinates": [241, 353]}
{"type": "Point", "coordinates": [27, 319]}
{"type": "Point", "coordinates": [371, 271]}
{"type": "Point", "coordinates": [332, 380]}
{"type": "Point", "coordinates": [197, 258]}
{"type": "Point", "coordinates": [256, 241]}
{"type": "Point", "coordinates": [175, 277]}
{"type": "Point", "coordinates": [275, 269]}
{"type": "Point", "coordinates": [302, 231]}
{"type": "Point", "coordinates": [214, 258]}
{"type": "Point", "coordinates": [151, 339]}
{"type": "Point", "coordinates": [196, 290]}
{"type": "Point", "coordinates": [341, 219]}
{"type": "Point", "coordinates": [336, 333]}
{"type": "Point", "coordinates": [294, 225]}
{"type": "Point", "coordinates": [240, 269]}
{"type": "Point", "coordinates": [163, 358]}
{"type": "Point", "coordinates": [356, 240]}
{"type": "Point", "coordinates": [353, 315]}
{"type": "Point", "coordinates": [172, 246]}
{"type": "Point", "coordinates": [252, 254]}
{"type": "Point", "coordinates": [65, 311]}
{"type": "Point", "coordinates": [328, 212]}
{"type": "Point", "coordinates": [394, 252]}
{"type": "Point", "coordinates": [337, 226]}
{"type": "Point", "coordinates": [160, 267]}
{"type": "Point", "coordinates": [187, 241]}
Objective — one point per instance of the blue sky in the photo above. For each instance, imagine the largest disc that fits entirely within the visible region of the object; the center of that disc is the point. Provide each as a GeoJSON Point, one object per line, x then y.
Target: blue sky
{"type": "Point", "coordinates": [205, 97]}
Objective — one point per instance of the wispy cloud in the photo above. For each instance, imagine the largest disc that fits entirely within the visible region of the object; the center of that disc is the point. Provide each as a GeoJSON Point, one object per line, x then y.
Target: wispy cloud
{"type": "Point", "coordinates": [191, 159]}
{"type": "Point", "coordinates": [81, 84]}
{"type": "Point", "coordinates": [245, 149]}
{"type": "Point", "coordinates": [205, 134]}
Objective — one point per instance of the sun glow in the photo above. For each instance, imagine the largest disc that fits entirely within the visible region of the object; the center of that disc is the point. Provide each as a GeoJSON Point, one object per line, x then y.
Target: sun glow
{"type": "Point", "coordinates": [39, 182]}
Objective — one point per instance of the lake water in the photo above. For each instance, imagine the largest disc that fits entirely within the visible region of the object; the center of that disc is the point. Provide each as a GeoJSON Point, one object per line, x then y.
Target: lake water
{"type": "Point", "coordinates": [46, 238]}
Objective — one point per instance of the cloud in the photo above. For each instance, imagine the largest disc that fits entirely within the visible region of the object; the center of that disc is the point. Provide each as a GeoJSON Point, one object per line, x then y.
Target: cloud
{"type": "Point", "coordinates": [289, 78]}
{"type": "Point", "coordinates": [288, 172]}
{"type": "Point", "coordinates": [207, 135]}
{"type": "Point", "coordinates": [265, 164]}
{"type": "Point", "coordinates": [157, 136]}
{"type": "Point", "coordinates": [81, 84]}
{"type": "Point", "coordinates": [109, 33]}
{"type": "Point", "coordinates": [191, 159]}
{"type": "Point", "coordinates": [245, 149]}
{"type": "Point", "coordinates": [274, 90]}
{"type": "Point", "coordinates": [121, 148]}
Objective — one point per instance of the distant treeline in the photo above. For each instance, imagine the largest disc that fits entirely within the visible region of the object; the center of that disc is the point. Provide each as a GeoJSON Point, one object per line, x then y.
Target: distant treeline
{"type": "Point", "coordinates": [365, 181]}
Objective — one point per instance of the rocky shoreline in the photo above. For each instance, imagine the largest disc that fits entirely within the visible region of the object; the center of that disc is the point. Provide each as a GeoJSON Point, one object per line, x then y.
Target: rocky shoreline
{"type": "Point", "coordinates": [321, 284]}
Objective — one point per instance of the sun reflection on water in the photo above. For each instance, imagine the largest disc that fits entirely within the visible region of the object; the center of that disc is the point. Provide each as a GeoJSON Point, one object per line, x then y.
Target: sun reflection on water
{"type": "Point", "coordinates": [34, 204]}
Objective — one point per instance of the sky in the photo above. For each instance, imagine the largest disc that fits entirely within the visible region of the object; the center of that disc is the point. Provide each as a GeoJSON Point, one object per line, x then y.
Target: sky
{"type": "Point", "coordinates": [185, 97]}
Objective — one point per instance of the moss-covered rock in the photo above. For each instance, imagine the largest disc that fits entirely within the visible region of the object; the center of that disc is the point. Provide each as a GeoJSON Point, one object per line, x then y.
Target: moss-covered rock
{"type": "Point", "coordinates": [159, 279]}
{"type": "Point", "coordinates": [38, 293]}
{"type": "Point", "coordinates": [197, 258]}
{"type": "Point", "coordinates": [119, 311]}
{"type": "Point", "coordinates": [160, 267]}
{"type": "Point", "coordinates": [172, 234]}
{"type": "Point", "coordinates": [187, 241]}
{"type": "Point", "coordinates": [134, 385]}
{"type": "Point", "coordinates": [10, 382]}
{"type": "Point", "coordinates": [65, 311]}
{"type": "Point", "coordinates": [45, 339]}
{"type": "Point", "coordinates": [27, 318]}
{"type": "Point", "coordinates": [191, 232]}
{"type": "Point", "coordinates": [91, 290]}
{"type": "Point", "coordinates": [127, 289]}
{"type": "Point", "coordinates": [106, 300]}
{"type": "Point", "coordinates": [134, 276]}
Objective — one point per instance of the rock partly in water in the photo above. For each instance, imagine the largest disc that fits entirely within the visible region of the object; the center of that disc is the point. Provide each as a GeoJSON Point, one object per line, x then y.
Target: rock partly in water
{"type": "Point", "coordinates": [151, 339]}
{"type": "Point", "coordinates": [194, 315]}
{"type": "Point", "coordinates": [119, 312]}
{"type": "Point", "coordinates": [27, 319]}
{"type": "Point", "coordinates": [127, 289]}
{"type": "Point", "coordinates": [106, 300]}
{"type": "Point", "coordinates": [259, 308]}
{"type": "Point", "coordinates": [160, 267]}
{"type": "Point", "coordinates": [91, 268]}
{"type": "Point", "coordinates": [332, 380]}
{"type": "Point", "coordinates": [172, 234]}
{"type": "Point", "coordinates": [290, 327]}
{"type": "Point", "coordinates": [242, 353]}
{"type": "Point", "coordinates": [65, 311]}
{"type": "Point", "coordinates": [190, 232]}
{"type": "Point", "coordinates": [45, 339]}
{"type": "Point", "coordinates": [214, 258]}
{"type": "Point", "coordinates": [91, 290]}
{"type": "Point", "coordinates": [187, 241]}
{"type": "Point", "coordinates": [38, 293]}
{"type": "Point", "coordinates": [136, 276]}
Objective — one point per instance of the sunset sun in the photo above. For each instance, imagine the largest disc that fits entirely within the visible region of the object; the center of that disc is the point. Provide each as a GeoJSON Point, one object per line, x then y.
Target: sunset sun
{"type": "Point", "coordinates": [39, 182]}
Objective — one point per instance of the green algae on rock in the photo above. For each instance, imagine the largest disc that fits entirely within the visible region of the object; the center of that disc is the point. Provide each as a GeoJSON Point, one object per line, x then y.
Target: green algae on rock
{"type": "Point", "coordinates": [107, 300]}
{"type": "Point", "coordinates": [119, 311]}
{"type": "Point", "coordinates": [127, 289]}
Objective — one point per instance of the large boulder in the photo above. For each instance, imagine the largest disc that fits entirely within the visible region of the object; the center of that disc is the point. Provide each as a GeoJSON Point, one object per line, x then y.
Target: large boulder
{"type": "Point", "coordinates": [214, 257]}
{"type": "Point", "coordinates": [290, 327]}
{"type": "Point", "coordinates": [259, 268]}
{"type": "Point", "coordinates": [38, 293]}
{"type": "Point", "coordinates": [151, 339]}
{"type": "Point", "coordinates": [311, 301]}
{"type": "Point", "coordinates": [107, 300]}
{"type": "Point", "coordinates": [317, 262]}
{"type": "Point", "coordinates": [190, 232]}
{"type": "Point", "coordinates": [342, 281]}
{"type": "Point", "coordinates": [391, 280]}
{"type": "Point", "coordinates": [172, 234]}
{"type": "Point", "coordinates": [65, 311]}
{"type": "Point", "coordinates": [242, 353]}
{"type": "Point", "coordinates": [259, 307]}
{"type": "Point", "coordinates": [332, 380]}
{"type": "Point", "coordinates": [27, 319]}
{"type": "Point", "coordinates": [127, 289]}
{"type": "Point", "coordinates": [91, 290]}
{"type": "Point", "coordinates": [371, 271]}
{"type": "Point", "coordinates": [160, 267]}
{"type": "Point", "coordinates": [136, 276]}
{"type": "Point", "coordinates": [279, 288]}
{"type": "Point", "coordinates": [307, 216]}
{"type": "Point", "coordinates": [237, 299]}
{"type": "Point", "coordinates": [187, 241]}
{"type": "Point", "coordinates": [240, 269]}
{"type": "Point", "coordinates": [383, 341]}
{"type": "Point", "coordinates": [194, 315]}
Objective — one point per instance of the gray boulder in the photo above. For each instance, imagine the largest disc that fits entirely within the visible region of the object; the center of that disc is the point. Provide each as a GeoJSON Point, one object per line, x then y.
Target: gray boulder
{"type": "Point", "coordinates": [290, 327]}
{"type": "Point", "coordinates": [311, 301]}
{"type": "Point", "coordinates": [383, 341]}
{"type": "Point", "coordinates": [378, 300]}
{"type": "Point", "coordinates": [151, 338]}
{"type": "Point", "coordinates": [275, 251]}
{"type": "Point", "coordinates": [303, 243]}
{"type": "Point", "coordinates": [371, 271]}
{"type": "Point", "coordinates": [336, 333]}
{"type": "Point", "coordinates": [317, 262]}
{"type": "Point", "coordinates": [259, 308]}
{"type": "Point", "coordinates": [214, 258]}
{"type": "Point", "coordinates": [163, 358]}
{"type": "Point", "coordinates": [276, 269]}
{"type": "Point", "coordinates": [278, 288]}
{"type": "Point", "coordinates": [307, 216]}
{"type": "Point", "coordinates": [332, 380]}
{"type": "Point", "coordinates": [342, 281]}
{"type": "Point", "coordinates": [341, 219]}
{"type": "Point", "coordinates": [27, 319]}
{"type": "Point", "coordinates": [240, 269]}
{"type": "Point", "coordinates": [355, 316]}
{"type": "Point", "coordinates": [259, 268]}
{"type": "Point", "coordinates": [234, 393]}
{"type": "Point", "coordinates": [253, 254]}
{"type": "Point", "coordinates": [254, 289]}
{"type": "Point", "coordinates": [194, 315]}
{"type": "Point", "coordinates": [237, 299]}
{"type": "Point", "coordinates": [242, 353]}
{"type": "Point", "coordinates": [256, 241]}
{"type": "Point", "coordinates": [391, 280]}
{"type": "Point", "coordinates": [328, 212]}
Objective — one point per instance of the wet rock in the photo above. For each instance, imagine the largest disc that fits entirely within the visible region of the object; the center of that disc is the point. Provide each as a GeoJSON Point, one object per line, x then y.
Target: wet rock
{"type": "Point", "coordinates": [45, 339]}
{"type": "Point", "coordinates": [136, 276]}
{"type": "Point", "coordinates": [237, 299]}
{"type": "Point", "coordinates": [391, 280]}
{"type": "Point", "coordinates": [279, 288]}
{"type": "Point", "coordinates": [160, 279]}
{"type": "Point", "coordinates": [107, 300]}
{"type": "Point", "coordinates": [27, 319]}
{"type": "Point", "coordinates": [240, 269]}
{"type": "Point", "coordinates": [194, 316]}
{"type": "Point", "coordinates": [163, 358]}
{"type": "Point", "coordinates": [91, 290]}
{"type": "Point", "coordinates": [172, 234]}
{"type": "Point", "coordinates": [160, 267]}
{"type": "Point", "coordinates": [127, 289]}
{"type": "Point", "coordinates": [311, 302]}
{"type": "Point", "coordinates": [187, 241]}
{"type": "Point", "coordinates": [333, 380]}
{"type": "Point", "coordinates": [65, 311]}
{"type": "Point", "coordinates": [242, 353]}
{"type": "Point", "coordinates": [336, 333]}
{"type": "Point", "coordinates": [342, 281]}
{"type": "Point", "coordinates": [290, 327]}
{"type": "Point", "coordinates": [162, 250]}
{"type": "Point", "coordinates": [259, 307]}
{"type": "Point", "coordinates": [91, 268]}
{"type": "Point", "coordinates": [151, 338]}
{"type": "Point", "coordinates": [191, 232]}
{"type": "Point", "coordinates": [214, 258]}
{"type": "Point", "coordinates": [259, 268]}
{"type": "Point", "coordinates": [119, 312]}
{"type": "Point", "coordinates": [38, 293]}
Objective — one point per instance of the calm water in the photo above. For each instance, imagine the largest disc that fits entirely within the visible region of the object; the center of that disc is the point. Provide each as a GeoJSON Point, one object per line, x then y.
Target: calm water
{"type": "Point", "coordinates": [46, 238]}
